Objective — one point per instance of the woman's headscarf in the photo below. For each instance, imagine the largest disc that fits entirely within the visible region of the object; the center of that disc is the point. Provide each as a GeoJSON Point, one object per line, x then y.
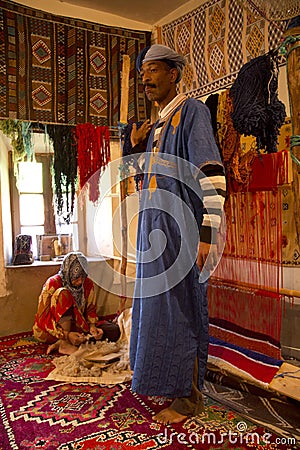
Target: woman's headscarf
{"type": "Point", "coordinates": [74, 265]}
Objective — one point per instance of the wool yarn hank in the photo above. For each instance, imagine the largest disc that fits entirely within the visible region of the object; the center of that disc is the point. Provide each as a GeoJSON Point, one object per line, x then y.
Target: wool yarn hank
{"type": "Point", "coordinates": [93, 143]}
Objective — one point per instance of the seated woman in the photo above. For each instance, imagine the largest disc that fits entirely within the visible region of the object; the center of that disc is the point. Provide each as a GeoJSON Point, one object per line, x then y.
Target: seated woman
{"type": "Point", "coordinates": [67, 309]}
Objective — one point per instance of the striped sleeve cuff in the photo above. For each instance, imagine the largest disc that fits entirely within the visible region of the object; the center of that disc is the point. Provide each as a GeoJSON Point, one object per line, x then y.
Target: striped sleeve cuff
{"type": "Point", "coordinates": [213, 187]}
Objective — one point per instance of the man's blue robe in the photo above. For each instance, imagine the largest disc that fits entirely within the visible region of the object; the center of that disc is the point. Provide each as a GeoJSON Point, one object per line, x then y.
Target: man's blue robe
{"type": "Point", "coordinates": [170, 315]}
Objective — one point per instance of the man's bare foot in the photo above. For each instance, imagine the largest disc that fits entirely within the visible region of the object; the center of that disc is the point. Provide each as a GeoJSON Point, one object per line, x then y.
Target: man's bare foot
{"type": "Point", "coordinates": [169, 415]}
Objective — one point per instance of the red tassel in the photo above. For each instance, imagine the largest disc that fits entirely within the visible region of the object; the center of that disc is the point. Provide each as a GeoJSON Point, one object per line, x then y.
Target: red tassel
{"type": "Point", "coordinates": [93, 156]}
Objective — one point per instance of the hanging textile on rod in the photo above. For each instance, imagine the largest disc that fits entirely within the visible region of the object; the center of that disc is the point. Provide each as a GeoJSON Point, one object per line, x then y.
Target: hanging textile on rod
{"type": "Point", "coordinates": [65, 168]}
{"type": "Point", "coordinates": [20, 134]}
{"type": "Point", "coordinates": [93, 143]}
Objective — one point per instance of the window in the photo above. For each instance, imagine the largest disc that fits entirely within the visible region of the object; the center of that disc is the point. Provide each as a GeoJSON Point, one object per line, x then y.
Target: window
{"type": "Point", "coordinates": [33, 202]}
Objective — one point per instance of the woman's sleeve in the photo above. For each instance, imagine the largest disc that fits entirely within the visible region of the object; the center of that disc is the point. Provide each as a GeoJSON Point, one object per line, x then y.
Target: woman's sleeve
{"type": "Point", "coordinates": [47, 314]}
{"type": "Point", "coordinates": [61, 302]}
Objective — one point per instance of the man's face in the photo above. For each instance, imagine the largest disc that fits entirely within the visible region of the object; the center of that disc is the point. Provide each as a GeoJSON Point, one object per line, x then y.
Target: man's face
{"type": "Point", "coordinates": [158, 80]}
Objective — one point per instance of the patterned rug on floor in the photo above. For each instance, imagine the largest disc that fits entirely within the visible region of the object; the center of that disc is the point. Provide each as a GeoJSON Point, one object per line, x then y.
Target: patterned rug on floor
{"type": "Point", "coordinates": [48, 415]}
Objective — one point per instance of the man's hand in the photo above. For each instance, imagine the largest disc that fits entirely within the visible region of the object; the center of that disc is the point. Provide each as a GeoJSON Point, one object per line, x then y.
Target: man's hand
{"type": "Point", "coordinates": [139, 135]}
{"type": "Point", "coordinates": [207, 256]}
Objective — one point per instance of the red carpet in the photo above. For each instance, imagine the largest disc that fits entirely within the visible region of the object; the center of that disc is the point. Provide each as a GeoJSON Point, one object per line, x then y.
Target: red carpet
{"type": "Point", "coordinates": [48, 415]}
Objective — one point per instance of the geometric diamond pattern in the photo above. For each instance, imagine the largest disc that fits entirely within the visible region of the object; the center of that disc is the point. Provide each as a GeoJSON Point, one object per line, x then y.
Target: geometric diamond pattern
{"type": "Point", "coordinates": [41, 95]}
{"type": "Point", "coordinates": [98, 61]}
{"type": "Point", "coordinates": [98, 102]}
{"type": "Point", "coordinates": [235, 30]}
{"type": "Point", "coordinates": [69, 404]}
{"type": "Point", "coordinates": [216, 59]}
{"type": "Point", "coordinates": [69, 56]}
{"type": "Point", "coordinates": [184, 37]}
{"type": "Point", "coordinates": [217, 21]}
{"type": "Point", "coordinates": [188, 76]}
{"type": "Point", "coordinates": [199, 50]}
{"type": "Point", "coordinates": [220, 36]}
{"type": "Point", "coordinates": [41, 51]}
{"type": "Point", "coordinates": [254, 41]}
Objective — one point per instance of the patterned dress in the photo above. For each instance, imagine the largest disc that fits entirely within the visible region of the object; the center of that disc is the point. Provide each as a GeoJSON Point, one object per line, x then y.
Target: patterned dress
{"type": "Point", "coordinates": [55, 301]}
{"type": "Point", "coordinates": [170, 315]}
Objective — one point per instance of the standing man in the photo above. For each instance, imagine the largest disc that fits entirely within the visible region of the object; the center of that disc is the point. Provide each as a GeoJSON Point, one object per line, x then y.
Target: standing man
{"type": "Point", "coordinates": [180, 213]}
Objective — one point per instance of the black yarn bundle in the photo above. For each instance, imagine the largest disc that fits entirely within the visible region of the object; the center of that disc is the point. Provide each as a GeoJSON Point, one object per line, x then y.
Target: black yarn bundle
{"type": "Point", "coordinates": [257, 111]}
{"type": "Point", "coordinates": [212, 104]}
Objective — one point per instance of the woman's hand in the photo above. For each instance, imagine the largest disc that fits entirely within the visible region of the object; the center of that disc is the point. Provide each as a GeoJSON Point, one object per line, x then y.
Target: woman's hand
{"type": "Point", "coordinates": [76, 338]}
{"type": "Point", "coordinates": [97, 333]}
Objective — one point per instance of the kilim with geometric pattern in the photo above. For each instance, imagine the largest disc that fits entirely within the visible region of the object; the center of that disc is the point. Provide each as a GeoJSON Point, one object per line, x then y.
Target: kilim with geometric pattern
{"type": "Point", "coordinates": [62, 70]}
{"type": "Point", "coordinates": [217, 39]}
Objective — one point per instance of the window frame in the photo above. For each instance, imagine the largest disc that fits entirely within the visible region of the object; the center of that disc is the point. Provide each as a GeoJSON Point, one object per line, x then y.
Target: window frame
{"type": "Point", "coordinates": [49, 214]}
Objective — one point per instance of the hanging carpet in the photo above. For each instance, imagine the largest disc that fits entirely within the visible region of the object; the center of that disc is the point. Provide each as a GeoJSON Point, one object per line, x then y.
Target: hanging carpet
{"type": "Point", "coordinates": [218, 38]}
{"type": "Point", "coordinates": [65, 70]}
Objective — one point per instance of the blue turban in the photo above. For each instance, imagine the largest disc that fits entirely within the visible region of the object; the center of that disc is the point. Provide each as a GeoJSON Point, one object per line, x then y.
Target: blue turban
{"type": "Point", "coordinates": [158, 52]}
